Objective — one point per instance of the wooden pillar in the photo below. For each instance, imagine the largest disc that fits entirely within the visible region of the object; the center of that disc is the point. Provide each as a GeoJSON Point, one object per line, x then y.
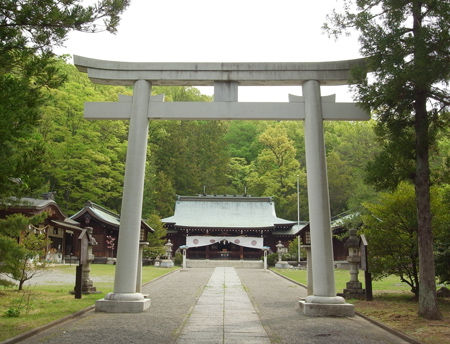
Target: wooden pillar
{"type": "Point", "coordinates": [207, 252]}
{"type": "Point", "coordinates": [241, 252]}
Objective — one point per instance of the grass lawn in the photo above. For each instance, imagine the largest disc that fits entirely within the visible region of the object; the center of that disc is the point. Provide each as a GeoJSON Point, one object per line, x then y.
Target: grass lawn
{"type": "Point", "coordinates": [41, 304]}
{"type": "Point", "coordinates": [393, 305]}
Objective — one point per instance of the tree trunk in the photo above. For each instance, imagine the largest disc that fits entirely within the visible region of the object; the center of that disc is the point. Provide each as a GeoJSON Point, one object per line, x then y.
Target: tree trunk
{"type": "Point", "coordinates": [428, 307]}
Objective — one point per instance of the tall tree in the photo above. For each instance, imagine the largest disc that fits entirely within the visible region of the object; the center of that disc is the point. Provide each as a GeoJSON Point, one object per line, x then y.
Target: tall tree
{"type": "Point", "coordinates": [390, 225]}
{"type": "Point", "coordinates": [406, 43]}
{"type": "Point", "coordinates": [84, 160]}
{"type": "Point", "coordinates": [238, 172]}
{"type": "Point", "coordinates": [28, 32]}
{"type": "Point", "coordinates": [275, 170]}
{"type": "Point", "coordinates": [349, 146]}
{"type": "Point", "coordinates": [156, 239]}
{"type": "Point", "coordinates": [242, 140]}
{"type": "Point", "coordinates": [184, 156]}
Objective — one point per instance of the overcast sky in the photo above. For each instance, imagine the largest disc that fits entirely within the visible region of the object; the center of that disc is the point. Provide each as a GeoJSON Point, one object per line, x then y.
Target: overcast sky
{"type": "Point", "coordinates": [222, 31]}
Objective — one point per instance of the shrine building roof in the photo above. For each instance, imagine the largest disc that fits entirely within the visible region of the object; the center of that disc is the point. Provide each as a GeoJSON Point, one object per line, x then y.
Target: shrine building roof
{"type": "Point", "coordinates": [103, 215]}
{"type": "Point", "coordinates": [33, 206]}
{"type": "Point", "coordinates": [225, 211]}
{"type": "Point", "coordinates": [294, 230]}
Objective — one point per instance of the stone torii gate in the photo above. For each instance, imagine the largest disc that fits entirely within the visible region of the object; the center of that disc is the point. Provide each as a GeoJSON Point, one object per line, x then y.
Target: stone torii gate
{"type": "Point", "coordinates": [225, 77]}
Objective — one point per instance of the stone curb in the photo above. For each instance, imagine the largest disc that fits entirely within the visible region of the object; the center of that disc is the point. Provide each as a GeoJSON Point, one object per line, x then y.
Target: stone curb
{"type": "Point", "coordinates": [375, 322]}
{"type": "Point", "coordinates": [42, 328]}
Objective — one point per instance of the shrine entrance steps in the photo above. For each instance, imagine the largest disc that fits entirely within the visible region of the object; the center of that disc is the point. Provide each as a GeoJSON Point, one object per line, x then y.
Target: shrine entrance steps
{"type": "Point", "coordinates": [214, 263]}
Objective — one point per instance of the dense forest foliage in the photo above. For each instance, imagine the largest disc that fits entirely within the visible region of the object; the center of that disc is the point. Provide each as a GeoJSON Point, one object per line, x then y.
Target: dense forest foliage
{"type": "Point", "coordinates": [84, 160]}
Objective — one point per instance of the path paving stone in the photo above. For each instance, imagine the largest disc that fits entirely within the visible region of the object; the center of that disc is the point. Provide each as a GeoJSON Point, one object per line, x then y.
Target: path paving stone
{"type": "Point", "coordinates": [223, 314]}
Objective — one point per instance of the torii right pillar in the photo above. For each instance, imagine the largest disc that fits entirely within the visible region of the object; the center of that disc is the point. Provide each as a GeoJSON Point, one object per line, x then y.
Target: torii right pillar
{"type": "Point", "coordinates": [324, 301]}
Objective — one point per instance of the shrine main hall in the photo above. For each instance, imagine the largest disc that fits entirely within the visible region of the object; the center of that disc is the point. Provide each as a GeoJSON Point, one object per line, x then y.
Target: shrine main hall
{"type": "Point", "coordinates": [228, 226]}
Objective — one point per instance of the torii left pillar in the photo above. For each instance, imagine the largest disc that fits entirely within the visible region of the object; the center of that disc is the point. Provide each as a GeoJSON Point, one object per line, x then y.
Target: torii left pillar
{"type": "Point", "coordinates": [124, 298]}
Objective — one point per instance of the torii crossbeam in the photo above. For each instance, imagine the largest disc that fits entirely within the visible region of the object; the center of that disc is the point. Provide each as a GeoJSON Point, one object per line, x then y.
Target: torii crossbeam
{"type": "Point", "coordinates": [226, 78]}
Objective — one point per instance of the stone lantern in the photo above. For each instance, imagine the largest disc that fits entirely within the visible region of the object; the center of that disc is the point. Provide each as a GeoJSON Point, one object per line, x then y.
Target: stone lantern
{"type": "Point", "coordinates": [87, 241]}
{"type": "Point", "coordinates": [281, 250]}
{"type": "Point", "coordinates": [354, 287]}
{"type": "Point", "coordinates": [168, 248]}
{"type": "Point", "coordinates": [279, 247]}
{"type": "Point", "coordinates": [167, 263]}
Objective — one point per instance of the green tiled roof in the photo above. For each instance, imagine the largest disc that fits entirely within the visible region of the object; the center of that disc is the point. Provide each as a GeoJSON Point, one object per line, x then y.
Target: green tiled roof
{"type": "Point", "coordinates": [225, 212]}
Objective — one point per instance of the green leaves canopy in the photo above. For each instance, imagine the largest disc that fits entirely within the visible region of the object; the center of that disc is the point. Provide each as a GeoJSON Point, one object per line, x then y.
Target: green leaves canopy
{"type": "Point", "coordinates": [20, 245]}
{"type": "Point", "coordinates": [28, 32]}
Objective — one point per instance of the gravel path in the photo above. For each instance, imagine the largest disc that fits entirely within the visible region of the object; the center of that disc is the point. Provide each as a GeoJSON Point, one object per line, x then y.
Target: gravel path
{"type": "Point", "coordinates": [173, 299]}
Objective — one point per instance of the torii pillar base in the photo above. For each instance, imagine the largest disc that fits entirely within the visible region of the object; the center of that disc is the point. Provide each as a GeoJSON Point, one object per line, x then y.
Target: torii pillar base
{"type": "Point", "coordinates": [315, 306]}
{"type": "Point", "coordinates": [123, 303]}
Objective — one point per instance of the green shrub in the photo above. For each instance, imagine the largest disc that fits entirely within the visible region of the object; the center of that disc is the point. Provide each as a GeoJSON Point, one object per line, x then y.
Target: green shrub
{"type": "Point", "coordinates": [178, 259]}
{"type": "Point", "coordinates": [153, 252]}
{"type": "Point", "coordinates": [272, 258]}
{"type": "Point", "coordinates": [12, 312]}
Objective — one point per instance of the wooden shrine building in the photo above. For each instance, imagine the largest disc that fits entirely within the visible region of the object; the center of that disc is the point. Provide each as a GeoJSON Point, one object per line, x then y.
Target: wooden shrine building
{"type": "Point", "coordinates": [105, 225]}
{"type": "Point", "coordinates": [63, 232]}
{"type": "Point", "coordinates": [60, 230]}
{"type": "Point", "coordinates": [227, 226]}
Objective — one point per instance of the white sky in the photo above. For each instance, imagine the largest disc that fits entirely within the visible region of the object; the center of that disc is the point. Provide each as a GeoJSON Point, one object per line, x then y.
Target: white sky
{"type": "Point", "coordinates": [223, 31]}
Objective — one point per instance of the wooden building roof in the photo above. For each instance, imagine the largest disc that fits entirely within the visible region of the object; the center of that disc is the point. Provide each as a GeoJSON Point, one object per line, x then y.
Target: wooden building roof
{"type": "Point", "coordinates": [33, 206]}
{"type": "Point", "coordinates": [103, 215]}
{"type": "Point", "coordinates": [226, 211]}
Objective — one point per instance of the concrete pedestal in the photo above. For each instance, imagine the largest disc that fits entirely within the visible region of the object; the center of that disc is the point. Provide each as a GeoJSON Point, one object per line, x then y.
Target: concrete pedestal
{"type": "Point", "coordinates": [122, 303]}
{"type": "Point", "coordinates": [166, 263]}
{"type": "Point", "coordinates": [326, 309]}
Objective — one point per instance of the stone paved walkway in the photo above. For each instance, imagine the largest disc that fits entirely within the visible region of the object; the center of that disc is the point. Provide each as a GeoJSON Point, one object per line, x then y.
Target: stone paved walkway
{"type": "Point", "coordinates": [223, 314]}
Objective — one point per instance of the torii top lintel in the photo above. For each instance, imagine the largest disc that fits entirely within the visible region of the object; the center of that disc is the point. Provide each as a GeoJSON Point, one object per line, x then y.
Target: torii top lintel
{"type": "Point", "coordinates": [206, 73]}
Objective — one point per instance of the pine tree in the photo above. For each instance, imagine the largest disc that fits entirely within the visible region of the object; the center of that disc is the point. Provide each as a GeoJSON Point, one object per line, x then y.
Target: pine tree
{"type": "Point", "coordinates": [406, 43]}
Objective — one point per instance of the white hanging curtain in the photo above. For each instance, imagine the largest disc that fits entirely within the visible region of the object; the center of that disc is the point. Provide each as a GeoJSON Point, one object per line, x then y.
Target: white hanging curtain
{"type": "Point", "coordinates": [198, 241]}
